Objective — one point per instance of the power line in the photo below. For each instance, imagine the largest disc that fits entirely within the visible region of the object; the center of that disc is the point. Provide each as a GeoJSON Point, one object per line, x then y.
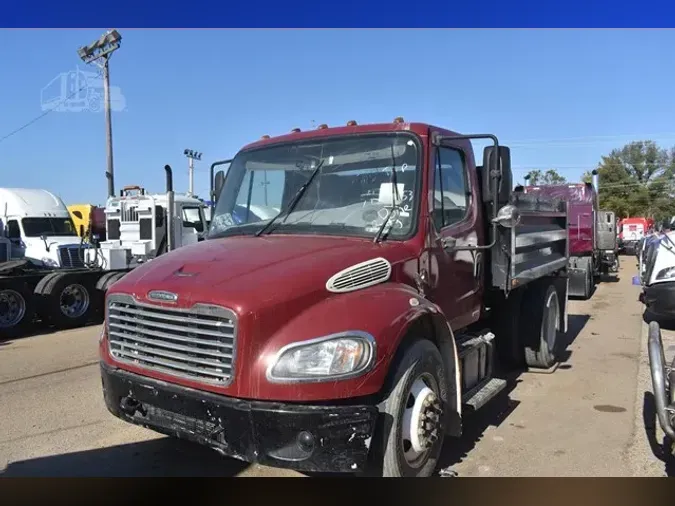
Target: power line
{"type": "Point", "coordinates": [37, 118]}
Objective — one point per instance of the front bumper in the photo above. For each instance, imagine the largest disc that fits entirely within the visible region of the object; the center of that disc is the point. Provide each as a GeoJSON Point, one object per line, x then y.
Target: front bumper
{"type": "Point", "coordinates": [310, 438]}
{"type": "Point", "coordinates": [659, 299]}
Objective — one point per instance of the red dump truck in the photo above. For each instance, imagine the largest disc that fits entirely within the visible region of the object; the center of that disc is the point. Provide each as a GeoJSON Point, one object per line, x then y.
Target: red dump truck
{"type": "Point", "coordinates": [593, 234]}
{"type": "Point", "coordinates": [355, 328]}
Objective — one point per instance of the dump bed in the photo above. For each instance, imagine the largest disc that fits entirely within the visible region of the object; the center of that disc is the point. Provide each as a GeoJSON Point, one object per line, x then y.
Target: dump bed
{"type": "Point", "coordinates": [538, 246]}
{"type": "Point", "coordinates": [581, 212]}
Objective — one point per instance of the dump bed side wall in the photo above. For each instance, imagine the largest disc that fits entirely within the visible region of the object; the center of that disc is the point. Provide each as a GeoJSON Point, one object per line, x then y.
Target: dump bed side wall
{"type": "Point", "coordinates": [582, 211]}
{"type": "Point", "coordinates": [538, 246]}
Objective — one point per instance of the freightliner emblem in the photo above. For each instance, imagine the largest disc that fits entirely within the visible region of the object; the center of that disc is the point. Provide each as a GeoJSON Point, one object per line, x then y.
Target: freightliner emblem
{"type": "Point", "coordinates": [161, 295]}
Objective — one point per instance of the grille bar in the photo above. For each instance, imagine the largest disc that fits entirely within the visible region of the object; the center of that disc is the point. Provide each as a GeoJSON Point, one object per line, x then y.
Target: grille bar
{"type": "Point", "coordinates": [139, 315]}
{"type": "Point", "coordinates": [199, 344]}
{"type": "Point", "coordinates": [170, 346]}
{"type": "Point", "coordinates": [159, 313]}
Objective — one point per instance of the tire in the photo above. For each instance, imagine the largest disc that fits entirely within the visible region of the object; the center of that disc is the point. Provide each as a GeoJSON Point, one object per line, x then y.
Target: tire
{"type": "Point", "coordinates": [419, 371]}
{"type": "Point", "coordinates": [69, 301]}
{"type": "Point", "coordinates": [17, 310]}
{"type": "Point", "coordinates": [540, 326]}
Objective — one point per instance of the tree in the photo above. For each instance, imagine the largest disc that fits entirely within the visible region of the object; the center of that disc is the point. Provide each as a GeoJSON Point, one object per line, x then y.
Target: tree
{"type": "Point", "coordinates": [551, 176]}
{"type": "Point", "coordinates": [637, 180]}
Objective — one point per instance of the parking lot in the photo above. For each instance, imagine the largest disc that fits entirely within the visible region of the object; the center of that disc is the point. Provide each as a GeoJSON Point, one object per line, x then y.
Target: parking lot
{"type": "Point", "coordinates": [586, 419]}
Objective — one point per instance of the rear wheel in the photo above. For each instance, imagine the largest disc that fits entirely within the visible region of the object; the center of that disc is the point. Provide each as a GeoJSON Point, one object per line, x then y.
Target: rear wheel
{"type": "Point", "coordinates": [541, 325]}
{"type": "Point", "coordinates": [16, 310]}
{"type": "Point", "coordinates": [69, 301]}
{"type": "Point", "coordinates": [414, 417]}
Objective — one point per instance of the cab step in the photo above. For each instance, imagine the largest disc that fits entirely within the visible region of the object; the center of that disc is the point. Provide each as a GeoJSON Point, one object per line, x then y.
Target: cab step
{"type": "Point", "coordinates": [479, 396]}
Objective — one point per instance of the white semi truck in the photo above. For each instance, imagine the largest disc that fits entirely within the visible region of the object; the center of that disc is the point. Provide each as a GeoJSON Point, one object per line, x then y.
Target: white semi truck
{"type": "Point", "coordinates": [50, 272]}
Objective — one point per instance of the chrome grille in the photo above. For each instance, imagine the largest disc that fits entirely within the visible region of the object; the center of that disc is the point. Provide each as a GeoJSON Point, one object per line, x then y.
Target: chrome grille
{"type": "Point", "coordinates": [197, 344]}
{"type": "Point", "coordinates": [69, 257]}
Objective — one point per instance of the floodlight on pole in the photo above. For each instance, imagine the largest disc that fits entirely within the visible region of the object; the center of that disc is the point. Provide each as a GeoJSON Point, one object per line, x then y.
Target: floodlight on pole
{"type": "Point", "coordinates": [191, 156]}
{"type": "Point", "coordinates": [99, 52]}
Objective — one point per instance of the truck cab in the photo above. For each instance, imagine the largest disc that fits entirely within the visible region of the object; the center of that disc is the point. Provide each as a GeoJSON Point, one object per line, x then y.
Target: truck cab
{"type": "Point", "coordinates": [141, 226]}
{"type": "Point", "coordinates": [358, 292]}
{"type": "Point", "coordinates": [39, 227]}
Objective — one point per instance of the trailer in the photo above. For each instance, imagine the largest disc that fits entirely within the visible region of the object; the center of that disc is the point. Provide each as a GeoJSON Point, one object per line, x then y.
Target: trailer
{"type": "Point", "coordinates": [67, 289]}
{"type": "Point", "coordinates": [358, 326]}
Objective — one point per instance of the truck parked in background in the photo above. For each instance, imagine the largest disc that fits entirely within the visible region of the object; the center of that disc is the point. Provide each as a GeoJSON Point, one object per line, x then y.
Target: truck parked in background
{"type": "Point", "coordinates": [89, 220]}
{"type": "Point", "coordinates": [60, 277]}
{"type": "Point", "coordinates": [593, 238]}
{"type": "Point", "coordinates": [632, 231]}
{"type": "Point", "coordinates": [38, 226]}
{"type": "Point", "coordinates": [358, 325]}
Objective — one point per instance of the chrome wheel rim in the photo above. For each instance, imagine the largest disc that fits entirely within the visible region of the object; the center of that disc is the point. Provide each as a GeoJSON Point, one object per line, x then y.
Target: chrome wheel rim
{"type": "Point", "coordinates": [551, 323]}
{"type": "Point", "coordinates": [420, 425]}
{"type": "Point", "coordinates": [74, 301]}
{"type": "Point", "coordinates": [12, 308]}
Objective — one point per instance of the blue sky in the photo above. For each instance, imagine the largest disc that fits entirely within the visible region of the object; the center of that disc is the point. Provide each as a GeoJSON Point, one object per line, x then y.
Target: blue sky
{"type": "Point", "coordinates": [559, 98]}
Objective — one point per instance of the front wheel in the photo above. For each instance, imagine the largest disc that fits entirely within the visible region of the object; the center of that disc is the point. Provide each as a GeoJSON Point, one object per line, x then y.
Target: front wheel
{"type": "Point", "coordinates": [414, 414]}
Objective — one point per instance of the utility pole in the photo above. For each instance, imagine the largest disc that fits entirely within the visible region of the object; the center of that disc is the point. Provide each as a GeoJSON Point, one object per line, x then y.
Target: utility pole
{"type": "Point", "coordinates": [191, 156]}
{"type": "Point", "coordinates": [99, 52]}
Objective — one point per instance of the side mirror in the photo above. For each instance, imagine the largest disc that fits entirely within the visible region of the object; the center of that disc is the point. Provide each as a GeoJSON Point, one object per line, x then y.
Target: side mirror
{"type": "Point", "coordinates": [218, 185]}
{"type": "Point", "coordinates": [449, 243]}
{"type": "Point", "coordinates": [501, 162]}
{"type": "Point", "coordinates": [508, 216]}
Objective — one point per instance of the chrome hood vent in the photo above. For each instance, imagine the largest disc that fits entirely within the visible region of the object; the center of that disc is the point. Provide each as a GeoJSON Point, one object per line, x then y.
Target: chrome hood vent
{"type": "Point", "coordinates": [363, 275]}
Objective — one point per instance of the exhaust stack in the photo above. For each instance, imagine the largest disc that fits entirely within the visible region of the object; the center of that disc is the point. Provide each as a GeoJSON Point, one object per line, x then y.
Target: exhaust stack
{"type": "Point", "coordinates": [596, 180]}
{"type": "Point", "coordinates": [169, 209]}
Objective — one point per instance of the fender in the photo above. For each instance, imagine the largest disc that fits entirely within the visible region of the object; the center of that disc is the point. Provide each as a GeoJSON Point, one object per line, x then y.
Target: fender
{"type": "Point", "coordinates": [387, 312]}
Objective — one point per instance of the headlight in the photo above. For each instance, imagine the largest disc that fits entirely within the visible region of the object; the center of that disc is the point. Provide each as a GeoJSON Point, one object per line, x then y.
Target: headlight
{"type": "Point", "coordinates": [335, 357]}
{"type": "Point", "coordinates": [667, 273]}
{"type": "Point", "coordinates": [50, 262]}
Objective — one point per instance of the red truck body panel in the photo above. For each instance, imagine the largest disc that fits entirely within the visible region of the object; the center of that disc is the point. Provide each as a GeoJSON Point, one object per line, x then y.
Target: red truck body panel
{"type": "Point", "coordinates": [583, 205]}
{"type": "Point", "coordinates": [276, 286]}
{"type": "Point", "coordinates": [633, 229]}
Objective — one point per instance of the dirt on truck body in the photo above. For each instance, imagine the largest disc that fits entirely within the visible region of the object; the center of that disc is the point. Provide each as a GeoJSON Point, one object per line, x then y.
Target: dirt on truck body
{"type": "Point", "coordinates": [354, 329]}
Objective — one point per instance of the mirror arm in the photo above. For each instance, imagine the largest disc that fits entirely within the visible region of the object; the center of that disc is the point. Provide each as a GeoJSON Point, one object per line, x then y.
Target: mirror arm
{"type": "Point", "coordinates": [475, 248]}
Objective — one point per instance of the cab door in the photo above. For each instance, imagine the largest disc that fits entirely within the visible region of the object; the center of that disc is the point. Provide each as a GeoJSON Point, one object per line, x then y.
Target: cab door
{"type": "Point", "coordinates": [455, 277]}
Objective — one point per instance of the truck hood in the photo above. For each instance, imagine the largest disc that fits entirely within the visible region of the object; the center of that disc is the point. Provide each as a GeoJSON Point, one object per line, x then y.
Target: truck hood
{"type": "Point", "coordinates": [36, 250]}
{"type": "Point", "coordinates": [251, 274]}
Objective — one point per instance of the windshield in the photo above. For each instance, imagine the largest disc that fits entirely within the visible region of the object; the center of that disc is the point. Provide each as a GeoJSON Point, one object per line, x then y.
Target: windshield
{"type": "Point", "coordinates": [193, 217]}
{"type": "Point", "coordinates": [36, 227]}
{"type": "Point", "coordinates": [351, 195]}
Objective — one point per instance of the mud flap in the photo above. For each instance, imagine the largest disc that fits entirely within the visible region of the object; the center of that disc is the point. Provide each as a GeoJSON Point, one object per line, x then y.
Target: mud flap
{"type": "Point", "coordinates": [577, 282]}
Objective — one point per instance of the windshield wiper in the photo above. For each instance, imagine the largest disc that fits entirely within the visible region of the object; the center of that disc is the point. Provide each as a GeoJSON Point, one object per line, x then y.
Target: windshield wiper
{"type": "Point", "coordinates": [294, 201]}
